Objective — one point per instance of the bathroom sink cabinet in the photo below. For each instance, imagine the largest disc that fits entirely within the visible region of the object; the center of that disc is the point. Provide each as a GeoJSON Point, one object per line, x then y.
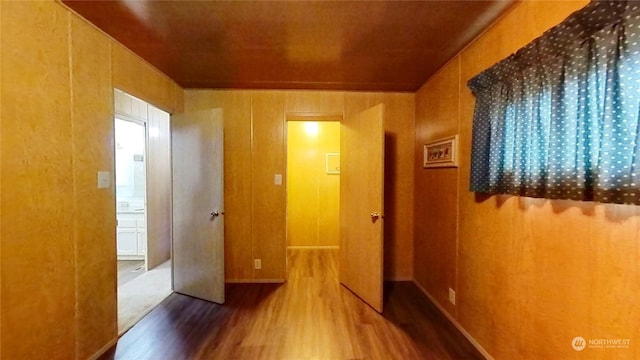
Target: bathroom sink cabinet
{"type": "Point", "coordinates": [131, 236]}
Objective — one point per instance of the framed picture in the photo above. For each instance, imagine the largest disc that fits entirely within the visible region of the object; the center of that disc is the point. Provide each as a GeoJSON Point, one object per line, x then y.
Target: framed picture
{"type": "Point", "coordinates": [332, 163]}
{"type": "Point", "coordinates": [441, 153]}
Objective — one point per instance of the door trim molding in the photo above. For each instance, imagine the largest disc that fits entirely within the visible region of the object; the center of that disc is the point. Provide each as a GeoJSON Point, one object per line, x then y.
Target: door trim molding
{"type": "Point", "coordinates": [313, 116]}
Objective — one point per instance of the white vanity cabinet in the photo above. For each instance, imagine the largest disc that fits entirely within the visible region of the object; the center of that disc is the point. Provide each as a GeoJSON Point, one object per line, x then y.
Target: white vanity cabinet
{"type": "Point", "coordinates": [131, 235]}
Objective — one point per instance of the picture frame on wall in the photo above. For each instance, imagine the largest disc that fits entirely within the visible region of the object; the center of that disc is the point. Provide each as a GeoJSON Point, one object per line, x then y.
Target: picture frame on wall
{"type": "Point", "coordinates": [441, 153]}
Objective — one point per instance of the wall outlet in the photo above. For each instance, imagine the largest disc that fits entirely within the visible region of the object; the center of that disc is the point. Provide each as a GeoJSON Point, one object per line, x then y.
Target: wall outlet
{"type": "Point", "coordinates": [452, 296]}
{"type": "Point", "coordinates": [257, 264]}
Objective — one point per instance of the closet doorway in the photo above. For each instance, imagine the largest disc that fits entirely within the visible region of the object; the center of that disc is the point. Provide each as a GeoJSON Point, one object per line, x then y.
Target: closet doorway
{"type": "Point", "coordinates": [313, 185]}
{"type": "Point", "coordinates": [351, 219]}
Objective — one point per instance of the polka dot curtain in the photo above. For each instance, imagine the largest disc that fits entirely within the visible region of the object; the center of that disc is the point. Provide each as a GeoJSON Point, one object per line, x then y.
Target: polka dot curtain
{"type": "Point", "coordinates": [560, 119]}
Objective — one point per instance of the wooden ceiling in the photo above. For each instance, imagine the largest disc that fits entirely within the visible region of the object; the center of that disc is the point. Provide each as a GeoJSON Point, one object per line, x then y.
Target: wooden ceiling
{"type": "Point", "coordinates": [329, 45]}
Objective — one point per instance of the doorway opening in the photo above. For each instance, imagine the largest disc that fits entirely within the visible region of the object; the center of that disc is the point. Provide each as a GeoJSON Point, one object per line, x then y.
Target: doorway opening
{"type": "Point", "coordinates": [313, 187]}
{"type": "Point", "coordinates": [131, 193]}
{"type": "Point", "coordinates": [131, 197]}
{"type": "Point", "coordinates": [143, 240]}
{"type": "Point", "coordinates": [359, 211]}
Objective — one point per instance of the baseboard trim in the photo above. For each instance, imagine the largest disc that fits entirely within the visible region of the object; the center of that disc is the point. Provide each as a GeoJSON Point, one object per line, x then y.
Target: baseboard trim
{"type": "Point", "coordinates": [254, 281]}
{"type": "Point", "coordinates": [104, 349]}
{"type": "Point", "coordinates": [327, 247]}
{"type": "Point", "coordinates": [455, 323]}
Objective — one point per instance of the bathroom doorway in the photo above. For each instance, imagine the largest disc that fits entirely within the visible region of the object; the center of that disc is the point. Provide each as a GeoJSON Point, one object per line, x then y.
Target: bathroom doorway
{"type": "Point", "coordinates": [143, 207]}
{"type": "Point", "coordinates": [131, 184]}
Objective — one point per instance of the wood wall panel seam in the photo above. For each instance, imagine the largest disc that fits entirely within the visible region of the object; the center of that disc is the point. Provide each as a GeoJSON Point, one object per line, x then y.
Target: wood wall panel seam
{"type": "Point", "coordinates": [1, 167]}
{"type": "Point", "coordinates": [75, 185]}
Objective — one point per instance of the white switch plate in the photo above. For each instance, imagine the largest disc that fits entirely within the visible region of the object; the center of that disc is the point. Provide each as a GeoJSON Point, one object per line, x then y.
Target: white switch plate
{"type": "Point", "coordinates": [104, 179]}
{"type": "Point", "coordinates": [452, 296]}
{"type": "Point", "coordinates": [257, 264]}
{"type": "Point", "coordinates": [277, 179]}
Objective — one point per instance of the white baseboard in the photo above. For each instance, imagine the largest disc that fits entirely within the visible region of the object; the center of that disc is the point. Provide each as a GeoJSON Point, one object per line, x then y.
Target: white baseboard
{"type": "Point", "coordinates": [455, 322]}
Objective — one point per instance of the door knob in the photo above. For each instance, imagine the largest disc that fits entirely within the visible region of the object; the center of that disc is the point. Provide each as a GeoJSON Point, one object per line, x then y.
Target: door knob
{"type": "Point", "coordinates": [374, 216]}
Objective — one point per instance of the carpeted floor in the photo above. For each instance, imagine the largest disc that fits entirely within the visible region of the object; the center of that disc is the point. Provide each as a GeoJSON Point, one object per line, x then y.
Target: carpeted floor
{"type": "Point", "coordinates": [139, 296]}
{"type": "Point", "coordinates": [129, 270]}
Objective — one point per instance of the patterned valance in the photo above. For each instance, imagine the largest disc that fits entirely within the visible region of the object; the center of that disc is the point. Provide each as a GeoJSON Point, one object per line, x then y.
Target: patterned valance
{"type": "Point", "coordinates": [559, 118]}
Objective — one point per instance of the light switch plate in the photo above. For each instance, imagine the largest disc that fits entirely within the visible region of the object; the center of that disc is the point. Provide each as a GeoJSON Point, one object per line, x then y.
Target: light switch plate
{"type": "Point", "coordinates": [104, 179]}
{"type": "Point", "coordinates": [277, 179]}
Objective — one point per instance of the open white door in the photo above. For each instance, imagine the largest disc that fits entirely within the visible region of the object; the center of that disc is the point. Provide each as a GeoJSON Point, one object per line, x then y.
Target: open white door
{"type": "Point", "coordinates": [361, 205]}
{"type": "Point", "coordinates": [198, 209]}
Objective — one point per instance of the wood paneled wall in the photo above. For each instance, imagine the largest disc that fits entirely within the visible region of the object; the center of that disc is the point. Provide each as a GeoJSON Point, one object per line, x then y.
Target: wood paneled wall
{"type": "Point", "coordinates": [1, 129]}
{"type": "Point", "coordinates": [436, 194]}
{"type": "Point", "coordinates": [268, 211]}
{"type": "Point", "coordinates": [134, 76]}
{"type": "Point", "coordinates": [255, 208]}
{"type": "Point", "coordinates": [37, 183]}
{"type": "Point", "coordinates": [93, 146]}
{"type": "Point", "coordinates": [57, 231]}
{"type": "Point", "coordinates": [529, 274]}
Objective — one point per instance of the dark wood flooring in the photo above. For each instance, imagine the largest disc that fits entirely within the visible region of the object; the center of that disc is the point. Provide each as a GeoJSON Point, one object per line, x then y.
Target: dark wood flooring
{"type": "Point", "coordinates": [310, 317]}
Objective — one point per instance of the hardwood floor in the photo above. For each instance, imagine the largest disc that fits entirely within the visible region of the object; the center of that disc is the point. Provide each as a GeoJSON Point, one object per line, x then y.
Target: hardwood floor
{"type": "Point", "coordinates": [129, 270]}
{"type": "Point", "coordinates": [310, 317]}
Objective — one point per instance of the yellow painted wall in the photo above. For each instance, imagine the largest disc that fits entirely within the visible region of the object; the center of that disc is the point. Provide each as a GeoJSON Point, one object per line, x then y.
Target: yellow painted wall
{"type": "Point", "coordinates": [57, 231]}
{"type": "Point", "coordinates": [529, 274]}
{"type": "Point", "coordinates": [255, 148]}
{"type": "Point", "coordinates": [313, 195]}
